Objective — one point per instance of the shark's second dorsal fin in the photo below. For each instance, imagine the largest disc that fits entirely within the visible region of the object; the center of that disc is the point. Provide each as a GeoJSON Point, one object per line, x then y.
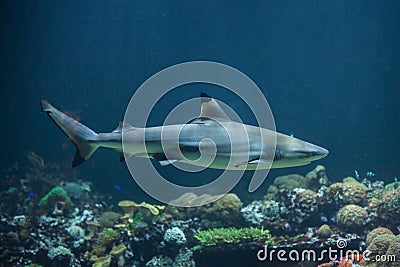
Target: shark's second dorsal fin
{"type": "Point", "coordinates": [123, 125]}
{"type": "Point", "coordinates": [210, 109]}
{"type": "Point", "coordinates": [119, 128]}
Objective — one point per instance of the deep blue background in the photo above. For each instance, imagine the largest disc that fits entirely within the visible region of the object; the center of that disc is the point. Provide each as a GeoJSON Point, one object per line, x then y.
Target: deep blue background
{"type": "Point", "coordinates": [329, 69]}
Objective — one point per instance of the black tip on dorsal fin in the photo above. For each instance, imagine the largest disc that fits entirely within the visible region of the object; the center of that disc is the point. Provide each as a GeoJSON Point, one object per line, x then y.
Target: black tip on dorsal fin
{"type": "Point", "coordinates": [205, 97]}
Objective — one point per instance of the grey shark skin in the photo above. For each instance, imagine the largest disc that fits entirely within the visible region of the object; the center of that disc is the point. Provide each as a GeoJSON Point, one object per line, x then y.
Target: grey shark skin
{"type": "Point", "coordinates": [212, 140]}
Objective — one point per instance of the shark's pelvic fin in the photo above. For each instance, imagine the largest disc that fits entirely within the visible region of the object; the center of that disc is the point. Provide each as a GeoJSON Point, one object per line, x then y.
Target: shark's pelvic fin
{"type": "Point", "coordinates": [211, 110]}
{"type": "Point", "coordinates": [82, 136]}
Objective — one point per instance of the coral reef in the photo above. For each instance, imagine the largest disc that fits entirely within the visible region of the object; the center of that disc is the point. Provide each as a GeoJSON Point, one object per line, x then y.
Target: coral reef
{"type": "Point", "coordinates": [75, 225]}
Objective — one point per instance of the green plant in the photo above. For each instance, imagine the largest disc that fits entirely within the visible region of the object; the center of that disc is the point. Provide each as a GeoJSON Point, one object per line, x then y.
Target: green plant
{"type": "Point", "coordinates": [218, 236]}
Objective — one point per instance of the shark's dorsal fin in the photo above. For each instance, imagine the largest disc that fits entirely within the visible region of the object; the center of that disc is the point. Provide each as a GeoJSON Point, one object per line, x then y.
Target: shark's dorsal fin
{"type": "Point", "coordinates": [210, 109]}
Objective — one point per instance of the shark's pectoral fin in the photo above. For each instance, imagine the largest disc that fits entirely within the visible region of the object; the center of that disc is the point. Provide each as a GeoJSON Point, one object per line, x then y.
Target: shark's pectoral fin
{"type": "Point", "coordinates": [163, 160]}
{"type": "Point", "coordinates": [253, 161]}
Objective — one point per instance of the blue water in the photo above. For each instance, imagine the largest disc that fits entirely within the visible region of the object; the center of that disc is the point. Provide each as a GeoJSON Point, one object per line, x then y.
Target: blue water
{"type": "Point", "coordinates": [329, 69]}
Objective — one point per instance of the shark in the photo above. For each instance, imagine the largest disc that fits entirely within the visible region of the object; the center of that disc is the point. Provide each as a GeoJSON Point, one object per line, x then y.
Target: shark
{"type": "Point", "coordinates": [212, 140]}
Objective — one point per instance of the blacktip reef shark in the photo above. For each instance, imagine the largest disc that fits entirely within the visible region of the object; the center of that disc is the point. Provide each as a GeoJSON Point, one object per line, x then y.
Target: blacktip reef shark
{"type": "Point", "coordinates": [252, 147]}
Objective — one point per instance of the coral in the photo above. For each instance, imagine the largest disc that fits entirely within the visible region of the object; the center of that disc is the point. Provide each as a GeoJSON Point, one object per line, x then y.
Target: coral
{"type": "Point", "coordinates": [394, 251]}
{"type": "Point", "coordinates": [76, 190]}
{"type": "Point", "coordinates": [107, 237]}
{"type": "Point", "coordinates": [324, 231]}
{"type": "Point", "coordinates": [333, 192]}
{"type": "Point", "coordinates": [93, 226]}
{"type": "Point", "coordinates": [272, 191]}
{"type": "Point", "coordinates": [136, 219]}
{"type": "Point", "coordinates": [99, 251]}
{"type": "Point", "coordinates": [225, 209]}
{"type": "Point", "coordinates": [390, 208]}
{"type": "Point", "coordinates": [257, 211]}
{"type": "Point", "coordinates": [130, 207]}
{"type": "Point", "coordinates": [118, 252]}
{"type": "Point", "coordinates": [76, 232]}
{"type": "Point", "coordinates": [306, 200]}
{"type": "Point", "coordinates": [290, 182]}
{"type": "Point", "coordinates": [56, 199]}
{"type": "Point", "coordinates": [59, 252]}
{"type": "Point", "coordinates": [352, 216]}
{"type": "Point", "coordinates": [373, 204]}
{"type": "Point", "coordinates": [300, 204]}
{"type": "Point", "coordinates": [317, 177]}
{"type": "Point", "coordinates": [102, 261]}
{"type": "Point", "coordinates": [380, 244]}
{"type": "Point", "coordinates": [377, 232]}
{"type": "Point", "coordinates": [160, 261]}
{"type": "Point", "coordinates": [108, 218]}
{"type": "Point", "coordinates": [353, 193]}
{"type": "Point", "coordinates": [347, 193]}
{"type": "Point", "coordinates": [175, 235]}
{"type": "Point", "coordinates": [218, 236]}
{"type": "Point", "coordinates": [220, 210]}
{"type": "Point", "coordinates": [184, 258]}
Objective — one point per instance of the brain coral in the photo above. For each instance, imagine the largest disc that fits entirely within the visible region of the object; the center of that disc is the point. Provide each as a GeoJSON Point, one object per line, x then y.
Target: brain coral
{"type": "Point", "coordinates": [390, 208]}
{"type": "Point", "coordinates": [376, 232]}
{"type": "Point", "coordinates": [394, 250]}
{"type": "Point", "coordinates": [352, 216]}
{"type": "Point", "coordinates": [353, 193]}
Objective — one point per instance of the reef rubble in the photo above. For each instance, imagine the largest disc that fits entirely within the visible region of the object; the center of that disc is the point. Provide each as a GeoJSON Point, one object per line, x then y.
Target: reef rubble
{"type": "Point", "coordinates": [71, 224]}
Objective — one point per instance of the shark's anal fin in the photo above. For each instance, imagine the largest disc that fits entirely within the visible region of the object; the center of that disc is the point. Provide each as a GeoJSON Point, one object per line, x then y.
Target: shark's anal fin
{"type": "Point", "coordinates": [163, 160]}
{"type": "Point", "coordinates": [253, 161]}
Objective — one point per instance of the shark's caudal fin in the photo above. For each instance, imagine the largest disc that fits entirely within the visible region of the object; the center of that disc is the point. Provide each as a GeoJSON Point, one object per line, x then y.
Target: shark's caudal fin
{"type": "Point", "coordinates": [82, 136]}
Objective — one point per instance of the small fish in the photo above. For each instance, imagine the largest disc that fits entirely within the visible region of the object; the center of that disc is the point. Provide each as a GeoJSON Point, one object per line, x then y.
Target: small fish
{"type": "Point", "coordinates": [357, 174]}
{"type": "Point", "coordinates": [370, 174]}
{"type": "Point", "coordinates": [31, 195]}
{"type": "Point", "coordinates": [117, 187]}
